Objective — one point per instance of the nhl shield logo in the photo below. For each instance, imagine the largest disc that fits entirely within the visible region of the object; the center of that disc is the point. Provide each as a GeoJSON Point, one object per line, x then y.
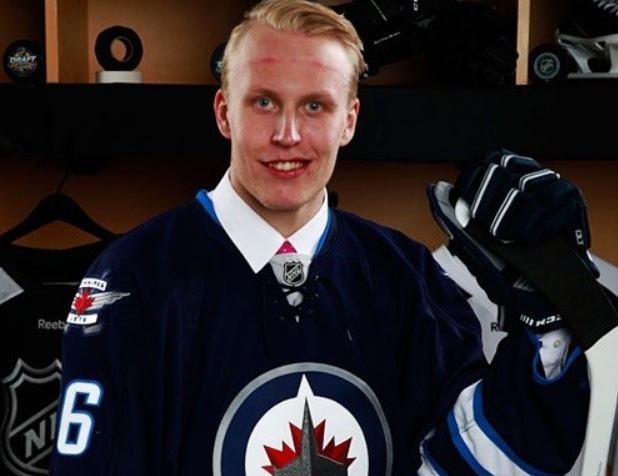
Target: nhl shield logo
{"type": "Point", "coordinates": [293, 273]}
{"type": "Point", "coordinates": [29, 418]}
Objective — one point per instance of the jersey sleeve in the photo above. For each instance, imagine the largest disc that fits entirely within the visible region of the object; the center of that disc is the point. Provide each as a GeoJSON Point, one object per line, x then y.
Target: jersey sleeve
{"type": "Point", "coordinates": [103, 382]}
{"type": "Point", "coordinates": [515, 420]}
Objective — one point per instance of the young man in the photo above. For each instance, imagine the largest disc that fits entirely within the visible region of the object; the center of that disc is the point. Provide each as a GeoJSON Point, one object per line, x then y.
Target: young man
{"type": "Point", "coordinates": [194, 347]}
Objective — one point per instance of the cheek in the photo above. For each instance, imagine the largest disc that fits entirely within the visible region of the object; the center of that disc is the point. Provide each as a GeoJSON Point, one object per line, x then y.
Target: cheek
{"type": "Point", "coordinates": [326, 137]}
{"type": "Point", "coordinates": [250, 133]}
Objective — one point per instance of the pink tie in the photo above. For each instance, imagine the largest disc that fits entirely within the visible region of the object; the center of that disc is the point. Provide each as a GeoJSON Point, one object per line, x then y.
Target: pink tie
{"type": "Point", "coordinates": [286, 247]}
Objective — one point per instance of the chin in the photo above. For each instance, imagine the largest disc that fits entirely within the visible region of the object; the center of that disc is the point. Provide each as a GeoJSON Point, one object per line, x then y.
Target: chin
{"type": "Point", "coordinates": [292, 200]}
{"type": "Point", "coordinates": [285, 206]}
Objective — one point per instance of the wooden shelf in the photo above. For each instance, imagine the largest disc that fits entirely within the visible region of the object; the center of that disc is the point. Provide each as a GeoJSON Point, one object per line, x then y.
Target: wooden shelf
{"type": "Point", "coordinates": [180, 37]}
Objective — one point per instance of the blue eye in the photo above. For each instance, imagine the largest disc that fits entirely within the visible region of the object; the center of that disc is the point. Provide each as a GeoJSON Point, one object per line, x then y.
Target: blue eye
{"type": "Point", "coordinates": [263, 102]}
{"type": "Point", "coordinates": [314, 106]}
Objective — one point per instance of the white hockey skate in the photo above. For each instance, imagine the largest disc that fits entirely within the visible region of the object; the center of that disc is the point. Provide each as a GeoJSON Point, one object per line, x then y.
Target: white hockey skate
{"type": "Point", "coordinates": [586, 46]}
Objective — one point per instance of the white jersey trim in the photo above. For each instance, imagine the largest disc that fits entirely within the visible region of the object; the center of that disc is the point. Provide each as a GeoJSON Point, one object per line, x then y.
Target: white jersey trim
{"type": "Point", "coordinates": [477, 442]}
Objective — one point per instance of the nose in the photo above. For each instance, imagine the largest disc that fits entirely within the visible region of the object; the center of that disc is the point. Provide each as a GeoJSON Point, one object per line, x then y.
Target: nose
{"type": "Point", "coordinates": [287, 131]}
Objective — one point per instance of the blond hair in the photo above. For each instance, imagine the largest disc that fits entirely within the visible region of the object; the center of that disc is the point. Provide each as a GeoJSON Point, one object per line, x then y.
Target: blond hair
{"type": "Point", "coordinates": [298, 16]}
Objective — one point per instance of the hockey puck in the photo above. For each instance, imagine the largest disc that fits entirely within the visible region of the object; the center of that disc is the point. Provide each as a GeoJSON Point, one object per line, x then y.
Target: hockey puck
{"type": "Point", "coordinates": [24, 62]}
{"type": "Point", "coordinates": [104, 49]}
{"type": "Point", "coordinates": [215, 61]}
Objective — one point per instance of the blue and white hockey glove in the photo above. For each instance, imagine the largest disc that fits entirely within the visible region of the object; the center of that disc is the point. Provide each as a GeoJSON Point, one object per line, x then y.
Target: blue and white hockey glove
{"type": "Point", "coordinates": [516, 200]}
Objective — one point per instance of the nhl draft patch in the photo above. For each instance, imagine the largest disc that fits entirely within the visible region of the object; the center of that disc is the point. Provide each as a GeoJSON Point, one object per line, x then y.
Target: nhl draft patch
{"type": "Point", "coordinates": [306, 418]}
{"type": "Point", "coordinates": [91, 297]}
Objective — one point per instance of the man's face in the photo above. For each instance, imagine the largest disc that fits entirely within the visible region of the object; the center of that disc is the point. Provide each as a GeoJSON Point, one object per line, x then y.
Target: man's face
{"type": "Point", "coordinates": [287, 112]}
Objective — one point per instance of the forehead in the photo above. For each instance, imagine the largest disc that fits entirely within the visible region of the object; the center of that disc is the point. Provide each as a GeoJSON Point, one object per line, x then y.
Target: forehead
{"type": "Point", "coordinates": [269, 49]}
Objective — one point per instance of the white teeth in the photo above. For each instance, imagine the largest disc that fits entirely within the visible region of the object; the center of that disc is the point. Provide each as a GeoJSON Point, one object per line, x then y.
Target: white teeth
{"type": "Point", "coordinates": [286, 166]}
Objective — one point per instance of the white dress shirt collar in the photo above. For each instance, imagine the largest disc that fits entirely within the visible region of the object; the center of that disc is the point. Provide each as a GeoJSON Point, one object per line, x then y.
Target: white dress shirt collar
{"type": "Point", "coordinates": [257, 240]}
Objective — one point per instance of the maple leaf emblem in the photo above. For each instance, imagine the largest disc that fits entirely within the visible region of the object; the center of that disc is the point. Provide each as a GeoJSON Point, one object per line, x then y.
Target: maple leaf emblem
{"type": "Point", "coordinates": [309, 454]}
{"type": "Point", "coordinates": [82, 301]}
{"type": "Point", "coordinates": [85, 300]}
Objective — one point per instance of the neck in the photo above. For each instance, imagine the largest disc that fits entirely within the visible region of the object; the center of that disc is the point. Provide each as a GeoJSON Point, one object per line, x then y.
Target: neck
{"type": "Point", "coordinates": [288, 222]}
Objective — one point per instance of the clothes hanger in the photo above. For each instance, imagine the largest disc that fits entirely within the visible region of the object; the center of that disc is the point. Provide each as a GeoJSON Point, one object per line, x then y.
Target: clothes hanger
{"type": "Point", "coordinates": [54, 207]}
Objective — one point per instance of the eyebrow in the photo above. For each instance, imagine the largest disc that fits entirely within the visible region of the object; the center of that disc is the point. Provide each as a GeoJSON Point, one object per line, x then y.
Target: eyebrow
{"type": "Point", "coordinates": [321, 95]}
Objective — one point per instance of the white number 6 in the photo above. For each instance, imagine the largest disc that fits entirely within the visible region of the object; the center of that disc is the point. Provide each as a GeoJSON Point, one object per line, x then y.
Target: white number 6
{"type": "Point", "coordinates": [76, 425]}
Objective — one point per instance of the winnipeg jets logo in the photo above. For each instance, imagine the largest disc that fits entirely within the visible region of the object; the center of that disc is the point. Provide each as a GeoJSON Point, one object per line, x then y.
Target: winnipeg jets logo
{"type": "Point", "coordinates": [91, 297]}
{"type": "Point", "coordinates": [306, 418]}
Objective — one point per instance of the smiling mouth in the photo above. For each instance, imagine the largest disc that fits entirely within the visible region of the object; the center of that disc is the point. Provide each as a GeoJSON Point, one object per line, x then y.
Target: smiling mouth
{"type": "Point", "coordinates": [286, 166]}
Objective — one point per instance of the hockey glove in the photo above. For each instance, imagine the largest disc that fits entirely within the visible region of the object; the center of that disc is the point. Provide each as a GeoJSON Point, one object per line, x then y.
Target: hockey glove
{"type": "Point", "coordinates": [515, 199]}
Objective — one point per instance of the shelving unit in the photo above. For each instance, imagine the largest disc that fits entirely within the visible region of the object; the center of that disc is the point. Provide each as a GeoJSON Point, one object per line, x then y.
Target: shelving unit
{"type": "Point", "coordinates": [70, 113]}
{"type": "Point", "coordinates": [169, 119]}
{"type": "Point", "coordinates": [179, 37]}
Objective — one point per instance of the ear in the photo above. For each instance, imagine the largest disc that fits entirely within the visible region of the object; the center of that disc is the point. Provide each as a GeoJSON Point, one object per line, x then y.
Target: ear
{"type": "Point", "coordinates": [221, 109]}
{"type": "Point", "coordinates": [350, 128]}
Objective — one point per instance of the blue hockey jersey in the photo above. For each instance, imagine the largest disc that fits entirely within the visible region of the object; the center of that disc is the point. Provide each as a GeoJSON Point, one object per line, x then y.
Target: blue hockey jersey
{"type": "Point", "coordinates": [179, 359]}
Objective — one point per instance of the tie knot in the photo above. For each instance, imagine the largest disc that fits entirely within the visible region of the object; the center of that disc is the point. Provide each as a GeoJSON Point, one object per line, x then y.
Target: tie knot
{"type": "Point", "coordinates": [286, 247]}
